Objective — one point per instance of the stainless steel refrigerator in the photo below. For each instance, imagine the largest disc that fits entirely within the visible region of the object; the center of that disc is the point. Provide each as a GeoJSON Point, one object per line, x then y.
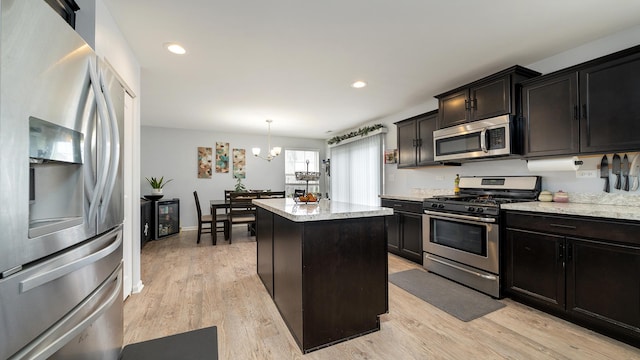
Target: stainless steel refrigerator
{"type": "Point", "coordinates": [61, 191]}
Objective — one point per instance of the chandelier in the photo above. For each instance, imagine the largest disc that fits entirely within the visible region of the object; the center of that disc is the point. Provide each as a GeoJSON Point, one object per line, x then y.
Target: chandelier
{"type": "Point", "coordinates": [273, 151]}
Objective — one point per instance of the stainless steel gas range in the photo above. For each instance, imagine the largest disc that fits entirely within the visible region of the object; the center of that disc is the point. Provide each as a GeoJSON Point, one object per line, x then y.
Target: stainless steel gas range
{"type": "Point", "coordinates": [461, 233]}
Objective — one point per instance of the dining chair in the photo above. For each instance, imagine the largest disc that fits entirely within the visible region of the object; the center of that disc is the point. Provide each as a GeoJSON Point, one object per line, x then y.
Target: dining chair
{"type": "Point", "coordinates": [227, 195]}
{"type": "Point", "coordinates": [242, 211]}
{"type": "Point", "coordinates": [205, 222]}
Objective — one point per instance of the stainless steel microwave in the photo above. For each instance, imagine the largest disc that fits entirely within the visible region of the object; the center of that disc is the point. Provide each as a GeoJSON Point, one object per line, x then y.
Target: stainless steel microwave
{"type": "Point", "coordinates": [482, 138]}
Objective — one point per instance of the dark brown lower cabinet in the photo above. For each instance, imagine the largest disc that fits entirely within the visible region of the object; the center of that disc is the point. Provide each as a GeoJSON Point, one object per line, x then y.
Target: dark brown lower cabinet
{"type": "Point", "coordinates": [328, 278]}
{"type": "Point", "coordinates": [404, 229]}
{"type": "Point", "coordinates": [584, 270]}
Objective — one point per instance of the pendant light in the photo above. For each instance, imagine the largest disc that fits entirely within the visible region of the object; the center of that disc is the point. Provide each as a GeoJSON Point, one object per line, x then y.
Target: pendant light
{"type": "Point", "coordinates": [273, 151]}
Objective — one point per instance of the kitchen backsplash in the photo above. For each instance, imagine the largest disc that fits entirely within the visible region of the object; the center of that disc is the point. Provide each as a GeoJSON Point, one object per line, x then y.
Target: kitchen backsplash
{"type": "Point", "coordinates": [438, 180]}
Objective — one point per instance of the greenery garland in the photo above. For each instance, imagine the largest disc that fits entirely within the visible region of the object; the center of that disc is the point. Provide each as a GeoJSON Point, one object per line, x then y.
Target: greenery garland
{"type": "Point", "coordinates": [361, 132]}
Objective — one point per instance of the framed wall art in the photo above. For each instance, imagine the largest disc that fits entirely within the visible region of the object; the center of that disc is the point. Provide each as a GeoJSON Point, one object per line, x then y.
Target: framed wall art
{"type": "Point", "coordinates": [222, 157]}
{"type": "Point", "coordinates": [239, 161]}
{"type": "Point", "coordinates": [391, 156]}
{"type": "Point", "coordinates": [204, 162]}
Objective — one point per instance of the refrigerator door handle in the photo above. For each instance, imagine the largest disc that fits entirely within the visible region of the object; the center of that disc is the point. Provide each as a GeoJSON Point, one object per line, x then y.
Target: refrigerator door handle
{"type": "Point", "coordinates": [104, 152]}
{"type": "Point", "coordinates": [89, 176]}
{"type": "Point", "coordinates": [51, 340]}
{"type": "Point", "coordinates": [114, 156]}
{"type": "Point", "coordinates": [69, 267]}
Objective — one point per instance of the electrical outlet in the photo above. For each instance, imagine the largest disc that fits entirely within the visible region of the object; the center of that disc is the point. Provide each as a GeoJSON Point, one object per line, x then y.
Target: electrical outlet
{"type": "Point", "coordinates": [586, 173]}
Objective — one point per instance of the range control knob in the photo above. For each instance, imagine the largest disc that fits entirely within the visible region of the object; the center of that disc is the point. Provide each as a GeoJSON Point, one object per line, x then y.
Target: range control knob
{"type": "Point", "coordinates": [480, 210]}
{"type": "Point", "coordinates": [434, 205]}
{"type": "Point", "coordinates": [471, 208]}
{"type": "Point", "coordinates": [441, 206]}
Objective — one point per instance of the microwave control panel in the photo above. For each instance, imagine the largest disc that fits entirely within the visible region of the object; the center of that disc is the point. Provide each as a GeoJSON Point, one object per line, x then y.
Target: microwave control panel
{"type": "Point", "coordinates": [497, 138]}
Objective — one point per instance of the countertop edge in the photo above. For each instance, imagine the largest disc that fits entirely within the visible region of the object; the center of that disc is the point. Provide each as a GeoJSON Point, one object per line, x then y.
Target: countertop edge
{"type": "Point", "coordinates": [288, 209]}
{"type": "Point", "coordinates": [619, 212]}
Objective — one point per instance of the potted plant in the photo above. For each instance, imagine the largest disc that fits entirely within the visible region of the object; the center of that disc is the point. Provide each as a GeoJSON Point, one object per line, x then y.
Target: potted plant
{"type": "Point", "coordinates": [157, 184]}
{"type": "Point", "coordinates": [240, 186]}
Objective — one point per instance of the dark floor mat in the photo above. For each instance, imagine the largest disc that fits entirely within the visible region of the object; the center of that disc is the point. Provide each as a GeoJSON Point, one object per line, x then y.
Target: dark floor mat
{"type": "Point", "coordinates": [199, 344]}
{"type": "Point", "coordinates": [457, 300]}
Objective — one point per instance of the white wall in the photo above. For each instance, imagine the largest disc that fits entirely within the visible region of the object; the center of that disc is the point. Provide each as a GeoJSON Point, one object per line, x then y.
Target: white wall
{"type": "Point", "coordinates": [402, 181]}
{"type": "Point", "coordinates": [172, 153]}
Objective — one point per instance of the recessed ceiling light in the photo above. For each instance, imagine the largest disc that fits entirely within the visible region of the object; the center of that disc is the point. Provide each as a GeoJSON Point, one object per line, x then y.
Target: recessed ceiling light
{"type": "Point", "coordinates": [359, 84]}
{"type": "Point", "coordinates": [175, 48]}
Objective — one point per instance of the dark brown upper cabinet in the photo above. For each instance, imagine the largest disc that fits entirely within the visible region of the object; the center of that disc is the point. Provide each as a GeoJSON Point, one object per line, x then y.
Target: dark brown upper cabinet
{"type": "Point", "coordinates": [550, 115]}
{"type": "Point", "coordinates": [609, 93]}
{"type": "Point", "coordinates": [491, 96]}
{"type": "Point", "coordinates": [415, 140]}
{"type": "Point", "coordinates": [65, 8]}
{"type": "Point", "coordinates": [585, 109]}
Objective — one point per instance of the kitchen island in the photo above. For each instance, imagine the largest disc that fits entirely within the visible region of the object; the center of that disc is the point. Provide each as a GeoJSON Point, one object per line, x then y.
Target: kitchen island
{"type": "Point", "coordinates": [324, 267]}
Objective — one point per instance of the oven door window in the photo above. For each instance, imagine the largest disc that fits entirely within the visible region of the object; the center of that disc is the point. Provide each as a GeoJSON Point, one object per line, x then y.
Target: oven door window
{"type": "Point", "coordinates": [471, 238]}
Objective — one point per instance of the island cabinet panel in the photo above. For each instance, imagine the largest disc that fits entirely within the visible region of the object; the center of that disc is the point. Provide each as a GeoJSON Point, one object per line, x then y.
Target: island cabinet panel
{"type": "Point", "coordinates": [329, 277]}
{"type": "Point", "coordinates": [582, 269]}
{"type": "Point", "coordinates": [288, 288]}
{"type": "Point", "coordinates": [345, 279]}
{"type": "Point", "coordinates": [264, 240]}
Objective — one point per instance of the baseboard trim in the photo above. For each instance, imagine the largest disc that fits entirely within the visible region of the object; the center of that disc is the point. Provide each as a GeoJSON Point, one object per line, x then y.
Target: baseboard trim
{"type": "Point", "coordinates": [137, 288]}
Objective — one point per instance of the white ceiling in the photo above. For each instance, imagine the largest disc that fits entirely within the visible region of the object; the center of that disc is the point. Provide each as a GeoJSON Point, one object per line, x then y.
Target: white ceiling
{"type": "Point", "coordinates": [293, 60]}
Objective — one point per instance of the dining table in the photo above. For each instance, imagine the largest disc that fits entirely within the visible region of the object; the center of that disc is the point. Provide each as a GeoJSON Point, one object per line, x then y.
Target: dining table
{"type": "Point", "coordinates": [218, 204]}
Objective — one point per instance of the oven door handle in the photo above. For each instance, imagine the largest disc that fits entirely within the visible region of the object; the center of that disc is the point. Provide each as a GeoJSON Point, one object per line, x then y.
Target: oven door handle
{"type": "Point", "coordinates": [485, 276]}
{"type": "Point", "coordinates": [458, 216]}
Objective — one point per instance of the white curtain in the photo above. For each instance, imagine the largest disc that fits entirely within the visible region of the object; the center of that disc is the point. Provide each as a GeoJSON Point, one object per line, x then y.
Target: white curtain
{"type": "Point", "coordinates": [356, 171]}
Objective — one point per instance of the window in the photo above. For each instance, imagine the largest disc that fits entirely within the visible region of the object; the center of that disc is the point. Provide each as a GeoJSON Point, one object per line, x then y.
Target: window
{"type": "Point", "coordinates": [356, 171]}
{"type": "Point", "coordinates": [296, 160]}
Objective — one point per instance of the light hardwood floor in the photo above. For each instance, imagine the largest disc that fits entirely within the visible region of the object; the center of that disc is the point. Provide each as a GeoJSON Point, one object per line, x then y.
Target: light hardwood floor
{"type": "Point", "coordinates": [190, 286]}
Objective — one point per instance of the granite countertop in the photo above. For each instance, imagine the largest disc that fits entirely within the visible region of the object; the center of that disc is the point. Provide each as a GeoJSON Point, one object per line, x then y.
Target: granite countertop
{"type": "Point", "coordinates": [610, 211]}
{"type": "Point", "coordinates": [418, 194]}
{"type": "Point", "coordinates": [335, 210]}
{"type": "Point", "coordinates": [419, 198]}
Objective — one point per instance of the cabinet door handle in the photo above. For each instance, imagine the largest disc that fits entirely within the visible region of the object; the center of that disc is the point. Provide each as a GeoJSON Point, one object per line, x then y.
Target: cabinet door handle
{"type": "Point", "coordinates": [560, 252]}
{"type": "Point", "coordinates": [569, 251]}
{"type": "Point", "coordinates": [575, 112]}
{"type": "Point", "coordinates": [570, 227]}
{"type": "Point", "coordinates": [474, 104]}
{"type": "Point", "coordinates": [466, 104]}
{"type": "Point", "coordinates": [418, 142]}
{"type": "Point", "coordinates": [584, 111]}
